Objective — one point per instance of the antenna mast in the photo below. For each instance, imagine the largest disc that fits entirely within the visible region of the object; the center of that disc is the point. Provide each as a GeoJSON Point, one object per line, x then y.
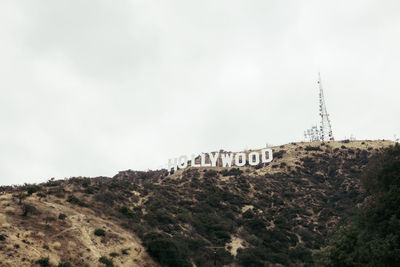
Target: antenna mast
{"type": "Point", "coordinates": [325, 127]}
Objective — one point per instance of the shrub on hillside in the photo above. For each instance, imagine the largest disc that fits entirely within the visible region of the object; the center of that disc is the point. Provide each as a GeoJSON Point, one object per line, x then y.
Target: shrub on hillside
{"type": "Point", "coordinates": [29, 209]}
{"type": "Point", "coordinates": [52, 182]}
{"type": "Point", "coordinates": [41, 195]}
{"type": "Point", "coordinates": [114, 254]}
{"type": "Point", "coordinates": [259, 166]}
{"type": "Point", "coordinates": [210, 173]}
{"type": "Point", "coordinates": [166, 251]}
{"type": "Point", "coordinates": [64, 264]}
{"type": "Point", "coordinates": [232, 171]}
{"type": "Point", "coordinates": [190, 173]}
{"type": "Point", "coordinates": [32, 189]}
{"type": "Point", "coordinates": [43, 262]}
{"type": "Point", "coordinates": [301, 253]}
{"type": "Point", "coordinates": [255, 257]}
{"type": "Point", "coordinates": [127, 212]}
{"type": "Point", "coordinates": [106, 261]}
{"type": "Point", "coordinates": [312, 148]}
{"type": "Point", "coordinates": [99, 232]}
{"type": "Point", "coordinates": [308, 162]}
{"type": "Point", "coordinates": [279, 154]}
{"type": "Point", "coordinates": [125, 251]}
{"type": "Point", "coordinates": [106, 197]}
{"type": "Point", "coordinates": [74, 200]}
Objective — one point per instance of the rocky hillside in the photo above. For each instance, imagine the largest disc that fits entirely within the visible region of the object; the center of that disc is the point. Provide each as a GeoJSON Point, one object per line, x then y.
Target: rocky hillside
{"type": "Point", "coordinates": [272, 214]}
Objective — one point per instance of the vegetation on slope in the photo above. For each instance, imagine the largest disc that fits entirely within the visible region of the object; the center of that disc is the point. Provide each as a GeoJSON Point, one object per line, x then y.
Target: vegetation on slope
{"type": "Point", "coordinates": [372, 238]}
{"type": "Point", "coordinates": [278, 213]}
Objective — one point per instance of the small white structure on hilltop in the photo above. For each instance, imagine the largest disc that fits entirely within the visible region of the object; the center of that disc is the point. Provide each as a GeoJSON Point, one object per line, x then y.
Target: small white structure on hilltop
{"type": "Point", "coordinates": [312, 134]}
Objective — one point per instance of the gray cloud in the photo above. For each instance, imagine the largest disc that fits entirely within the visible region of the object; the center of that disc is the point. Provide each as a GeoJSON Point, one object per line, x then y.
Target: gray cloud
{"type": "Point", "coordinates": [93, 87]}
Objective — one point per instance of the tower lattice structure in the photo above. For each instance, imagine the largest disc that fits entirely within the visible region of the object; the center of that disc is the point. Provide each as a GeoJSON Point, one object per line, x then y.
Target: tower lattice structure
{"type": "Point", "coordinates": [325, 127]}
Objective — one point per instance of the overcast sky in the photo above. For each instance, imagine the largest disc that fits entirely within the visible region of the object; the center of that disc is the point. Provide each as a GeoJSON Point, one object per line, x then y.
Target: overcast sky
{"type": "Point", "coordinates": [89, 88]}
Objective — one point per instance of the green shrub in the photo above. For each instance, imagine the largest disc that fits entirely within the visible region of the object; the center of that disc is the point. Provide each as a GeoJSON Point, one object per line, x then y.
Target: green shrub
{"type": "Point", "coordinates": [210, 173]}
{"type": "Point", "coordinates": [166, 251]}
{"type": "Point", "coordinates": [106, 261]}
{"type": "Point", "coordinates": [107, 198]}
{"type": "Point", "coordinates": [312, 148]}
{"type": "Point", "coordinates": [300, 253]}
{"type": "Point", "coordinates": [125, 251]}
{"type": "Point", "coordinates": [41, 195]}
{"type": "Point", "coordinates": [279, 154]}
{"type": "Point", "coordinates": [64, 264]}
{"type": "Point", "coordinates": [32, 189]}
{"type": "Point", "coordinates": [127, 212]}
{"type": "Point", "coordinates": [232, 171]}
{"type": "Point", "coordinates": [29, 209]}
{"type": "Point", "coordinates": [43, 262]}
{"type": "Point", "coordinates": [99, 232]}
{"type": "Point", "coordinates": [252, 257]}
{"type": "Point", "coordinates": [74, 200]}
{"type": "Point", "coordinates": [114, 254]}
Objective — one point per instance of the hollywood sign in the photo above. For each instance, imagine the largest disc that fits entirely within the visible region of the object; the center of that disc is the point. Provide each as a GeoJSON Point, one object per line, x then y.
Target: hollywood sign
{"type": "Point", "coordinates": [225, 159]}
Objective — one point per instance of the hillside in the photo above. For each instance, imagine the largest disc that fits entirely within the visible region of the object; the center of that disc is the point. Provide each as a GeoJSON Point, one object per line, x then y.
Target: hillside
{"type": "Point", "coordinates": [273, 214]}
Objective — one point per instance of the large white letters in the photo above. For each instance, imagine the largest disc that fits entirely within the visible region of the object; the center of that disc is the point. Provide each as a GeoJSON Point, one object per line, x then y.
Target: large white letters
{"type": "Point", "coordinates": [254, 158]}
{"type": "Point", "coordinates": [203, 161]}
{"type": "Point", "coordinates": [240, 159]}
{"type": "Point", "coordinates": [172, 164]}
{"type": "Point", "coordinates": [213, 159]}
{"type": "Point", "coordinates": [226, 159]}
{"type": "Point", "coordinates": [263, 158]}
{"type": "Point", "coordinates": [183, 162]}
{"type": "Point", "coordinates": [193, 161]}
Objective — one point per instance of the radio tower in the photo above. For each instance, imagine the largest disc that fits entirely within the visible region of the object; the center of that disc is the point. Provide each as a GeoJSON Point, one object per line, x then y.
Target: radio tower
{"type": "Point", "coordinates": [325, 127]}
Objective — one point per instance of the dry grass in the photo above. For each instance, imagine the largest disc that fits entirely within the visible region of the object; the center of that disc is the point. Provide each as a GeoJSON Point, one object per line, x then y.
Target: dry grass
{"type": "Point", "coordinates": [30, 238]}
